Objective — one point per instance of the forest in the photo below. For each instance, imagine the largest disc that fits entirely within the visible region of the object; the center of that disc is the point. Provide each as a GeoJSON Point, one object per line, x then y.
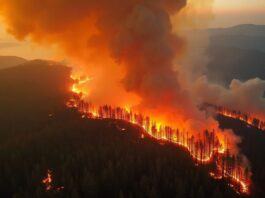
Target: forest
{"type": "Point", "coordinates": [95, 158]}
{"type": "Point", "coordinates": [252, 145]}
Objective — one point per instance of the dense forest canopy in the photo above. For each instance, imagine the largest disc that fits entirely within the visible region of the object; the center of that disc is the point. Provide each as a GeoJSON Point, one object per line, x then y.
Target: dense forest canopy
{"type": "Point", "coordinates": [91, 158]}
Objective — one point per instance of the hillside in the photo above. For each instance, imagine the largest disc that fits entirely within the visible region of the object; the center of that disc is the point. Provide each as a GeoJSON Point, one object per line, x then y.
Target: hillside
{"type": "Point", "coordinates": [10, 61]}
{"type": "Point", "coordinates": [87, 158]}
{"type": "Point", "coordinates": [243, 29]}
{"type": "Point", "coordinates": [32, 90]}
{"type": "Point", "coordinates": [242, 36]}
{"type": "Point", "coordinates": [252, 145]}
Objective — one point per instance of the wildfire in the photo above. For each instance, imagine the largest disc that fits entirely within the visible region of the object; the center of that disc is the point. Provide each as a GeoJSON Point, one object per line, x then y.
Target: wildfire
{"type": "Point", "coordinates": [244, 117]}
{"type": "Point", "coordinates": [48, 183]}
{"type": "Point", "coordinates": [78, 83]}
{"type": "Point", "coordinates": [204, 149]}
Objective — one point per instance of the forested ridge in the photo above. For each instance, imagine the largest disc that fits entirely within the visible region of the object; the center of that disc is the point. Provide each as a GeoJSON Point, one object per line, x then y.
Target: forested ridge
{"type": "Point", "coordinates": [94, 158]}
{"type": "Point", "coordinates": [253, 146]}
{"type": "Point", "coordinates": [88, 158]}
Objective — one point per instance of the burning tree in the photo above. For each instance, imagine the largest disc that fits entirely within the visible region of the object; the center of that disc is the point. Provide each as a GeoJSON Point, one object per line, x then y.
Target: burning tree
{"type": "Point", "coordinates": [244, 117]}
{"type": "Point", "coordinates": [204, 149]}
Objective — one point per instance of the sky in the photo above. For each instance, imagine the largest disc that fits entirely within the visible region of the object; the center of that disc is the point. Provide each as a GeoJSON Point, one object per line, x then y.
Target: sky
{"type": "Point", "coordinates": [239, 4]}
{"type": "Point", "coordinates": [25, 49]}
{"type": "Point", "coordinates": [226, 13]}
{"type": "Point", "coordinates": [233, 12]}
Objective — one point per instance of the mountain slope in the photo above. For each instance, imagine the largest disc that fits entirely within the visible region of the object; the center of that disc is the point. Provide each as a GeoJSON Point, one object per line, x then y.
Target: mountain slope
{"type": "Point", "coordinates": [227, 63]}
{"type": "Point", "coordinates": [10, 61]}
{"type": "Point", "coordinates": [241, 36]}
{"type": "Point", "coordinates": [87, 158]}
{"type": "Point", "coordinates": [235, 53]}
{"type": "Point", "coordinates": [244, 29]}
{"type": "Point", "coordinates": [35, 88]}
{"type": "Point", "coordinates": [252, 145]}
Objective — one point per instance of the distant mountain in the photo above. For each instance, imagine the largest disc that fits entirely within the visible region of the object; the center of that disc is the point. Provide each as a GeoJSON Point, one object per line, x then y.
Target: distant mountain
{"type": "Point", "coordinates": [245, 29]}
{"type": "Point", "coordinates": [10, 61]}
{"type": "Point", "coordinates": [227, 63]}
{"type": "Point", "coordinates": [241, 36]}
{"type": "Point", "coordinates": [236, 52]}
{"type": "Point", "coordinates": [86, 157]}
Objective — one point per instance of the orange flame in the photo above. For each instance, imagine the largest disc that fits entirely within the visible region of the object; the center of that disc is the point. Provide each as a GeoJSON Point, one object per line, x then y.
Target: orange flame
{"type": "Point", "coordinates": [238, 115]}
{"type": "Point", "coordinates": [202, 149]}
{"type": "Point", "coordinates": [77, 86]}
{"type": "Point", "coordinates": [47, 181]}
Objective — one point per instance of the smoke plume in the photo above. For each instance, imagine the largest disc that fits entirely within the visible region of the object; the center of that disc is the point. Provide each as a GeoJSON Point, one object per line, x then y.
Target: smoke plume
{"type": "Point", "coordinates": [115, 41]}
{"type": "Point", "coordinates": [246, 96]}
{"type": "Point", "coordinates": [130, 48]}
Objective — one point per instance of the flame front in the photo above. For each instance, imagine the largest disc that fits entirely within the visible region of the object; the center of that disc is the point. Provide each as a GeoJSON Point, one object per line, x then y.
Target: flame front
{"type": "Point", "coordinates": [78, 83]}
{"type": "Point", "coordinates": [238, 115]}
{"type": "Point", "coordinates": [204, 149]}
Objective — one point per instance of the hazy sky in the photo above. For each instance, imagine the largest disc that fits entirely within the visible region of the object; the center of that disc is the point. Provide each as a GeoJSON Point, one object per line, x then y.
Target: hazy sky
{"type": "Point", "coordinates": [226, 13]}
{"type": "Point", "coordinates": [233, 12]}
{"type": "Point", "coordinates": [25, 49]}
{"type": "Point", "coordinates": [239, 4]}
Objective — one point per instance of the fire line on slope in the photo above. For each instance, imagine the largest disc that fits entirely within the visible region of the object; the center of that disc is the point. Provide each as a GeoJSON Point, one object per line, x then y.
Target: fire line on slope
{"type": "Point", "coordinates": [204, 150]}
{"type": "Point", "coordinates": [238, 115]}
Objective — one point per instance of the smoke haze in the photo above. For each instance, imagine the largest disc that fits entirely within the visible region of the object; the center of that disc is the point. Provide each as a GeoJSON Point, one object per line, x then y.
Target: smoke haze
{"type": "Point", "coordinates": [135, 53]}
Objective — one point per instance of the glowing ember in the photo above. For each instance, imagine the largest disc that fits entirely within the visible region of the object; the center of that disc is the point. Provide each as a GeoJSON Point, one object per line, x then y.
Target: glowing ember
{"type": "Point", "coordinates": [48, 180]}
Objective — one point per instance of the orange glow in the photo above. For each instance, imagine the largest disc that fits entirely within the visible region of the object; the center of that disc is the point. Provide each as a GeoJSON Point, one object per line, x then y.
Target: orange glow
{"type": "Point", "coordinates": [244, 117]}
{"type": "Point", "coordinates": [78, 84]}
{"type": "Point", "coordinates": [208, 147]}
{"type": "Point", "coordinates": [48, 182]}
